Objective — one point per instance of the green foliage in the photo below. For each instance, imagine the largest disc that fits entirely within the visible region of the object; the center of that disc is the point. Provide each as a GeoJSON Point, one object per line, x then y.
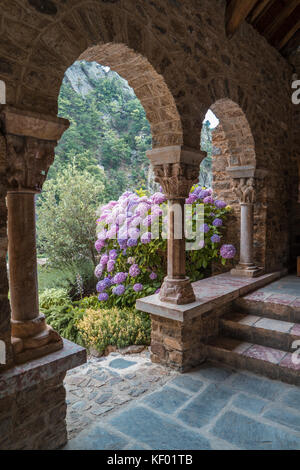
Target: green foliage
{"type": "Point", "coordinates": [53, 298]}
{"type": "Point", "coordinates": [82, 321]}
{"type": "Point", "coordinates": [205, 177]}
{"type": "Point", "coordinates": [121, 328]}
{"type": "Point", "coordinates": [65, 217]}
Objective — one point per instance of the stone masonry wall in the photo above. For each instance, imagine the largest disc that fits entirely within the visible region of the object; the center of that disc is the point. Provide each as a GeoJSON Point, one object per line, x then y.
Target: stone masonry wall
{"type": "Point", "coordinates": [181, 345]}
{"type": "Point", "coordinates": [34, 418]}
{"type": "Point", "coordinates": [295, 177]}
{"type": "Point", "coordinates": [4, 303]}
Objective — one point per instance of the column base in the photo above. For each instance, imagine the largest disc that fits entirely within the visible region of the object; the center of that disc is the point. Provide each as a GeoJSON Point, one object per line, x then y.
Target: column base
{"type": "Point", "coordinates": [177, 291]}
{"type": "Point", "coordinates": [33, 339]}
{"type": "Point", "coordinates": [247, 270]}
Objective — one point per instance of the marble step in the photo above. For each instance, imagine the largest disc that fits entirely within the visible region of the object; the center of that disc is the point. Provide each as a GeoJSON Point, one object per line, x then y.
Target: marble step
{"type": "Point", "coordinates": [264, 331]}
{"type": "Point", "coordinates": [279, 307]}
{"type": "Point", "coordinates": [272, 363]}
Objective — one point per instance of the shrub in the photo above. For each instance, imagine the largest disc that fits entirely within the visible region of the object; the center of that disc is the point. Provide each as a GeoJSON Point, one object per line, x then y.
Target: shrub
{"type": "Point", "coordinates": [121, 328]}
{"type": "Point", "coordinates": [132, 264]}
{"type": "Point", "coordinates": [53, 298]}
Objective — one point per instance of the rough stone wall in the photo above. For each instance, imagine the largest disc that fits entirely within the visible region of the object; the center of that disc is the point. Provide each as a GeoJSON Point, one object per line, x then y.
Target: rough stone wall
{"type": "Point", "coordinates": [4, 303]}
{"type": "Point", "coordinates": [181, 345]}
{"type": "Point", "coordinates": [34, 418]}
{"type": "Point", "coordinates": [295, 175]}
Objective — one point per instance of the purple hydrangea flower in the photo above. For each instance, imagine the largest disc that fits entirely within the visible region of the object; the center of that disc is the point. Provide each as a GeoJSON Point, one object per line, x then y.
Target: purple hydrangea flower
{"type": "Point", "coordinates": [217, 222]}
{"type": "Point", "coordinates": [138, 287]}
{"type": "Point", "coordinates": [107, 282]}
{"type": "Point", "coordinates": [201, 244]}
{"type": "Point", "coordinates": [110, 265]}
{"type": "Point", "coordinates": [119, 278]}
{"type": "Point", "coordinates": [208, 200]}
{"type": "Point", "coordinates": [191, 199]}
{"type": "Point", "coordinates": [99, 244]}
{"type": "Point", "coordinates": [153, 276]}
{"type": "Point", "coordinates": [134, 270]}
{"type": "Point", "coordinates": [98, 271]}
{"type": "Point", "coordinates": [118, 290]}
{"type": "Point", "coordinates": [202, 193]}
{"type": "Point", "coordinates": [146, 237]}
{"type": "Point", "coordinates": [104, 259]}
{"type": "Point", "coordinates": [220, 204]}
{"type": "Point", "coordinates": [113, 254]}
{"type": "Point", "coordinates": [132, 242]}
{"type": "Point", "coordinates": [103, 297]}
{"type": "Point", "coordinates": [158, 198]}
{"type": "Point", "coordinates": [215, 238]}
{"type": "Point", "coordinates": [102, 235]}
{"type": "Point", "coordinates": [204, 228]}
{"type": "Point", "coordinates": [228, 251]}
{"type": "Point", "coordinates": [101, 286]}
{"type": "Point", "coordinates": [157, 291]}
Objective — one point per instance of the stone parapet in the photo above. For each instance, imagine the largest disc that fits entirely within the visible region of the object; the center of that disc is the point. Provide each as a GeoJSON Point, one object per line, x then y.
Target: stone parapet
{"type": "Point", "coordinates": [180, 332]}
{"type": "Point", "coordinates": [32, 401]}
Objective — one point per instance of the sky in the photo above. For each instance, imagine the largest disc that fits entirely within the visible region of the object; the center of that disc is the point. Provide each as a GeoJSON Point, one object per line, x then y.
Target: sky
{"type": "Point", "coordinates": [214, 121]}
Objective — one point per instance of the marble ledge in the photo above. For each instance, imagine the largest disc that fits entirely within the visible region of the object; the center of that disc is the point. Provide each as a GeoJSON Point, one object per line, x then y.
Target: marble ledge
{"type": "Point", "coordinates": [210, 293]}
{"type": "Point", "coordinates": [24, 376]}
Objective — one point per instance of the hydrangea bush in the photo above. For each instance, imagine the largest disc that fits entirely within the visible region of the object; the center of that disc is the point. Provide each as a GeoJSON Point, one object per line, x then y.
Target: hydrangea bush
{"type": "Point", "coordinates": [133, 262]}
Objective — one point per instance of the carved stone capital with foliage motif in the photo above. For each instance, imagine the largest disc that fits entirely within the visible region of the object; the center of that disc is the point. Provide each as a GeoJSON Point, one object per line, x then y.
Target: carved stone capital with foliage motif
{"type": "Point", "coordinates": [176, 179]}
{"type": "Point", "coordinates": [31, 139]}
{"type": "Point", "coordinates": [176, 169]}
{"type": "Point", "coordinates": [28, 162]}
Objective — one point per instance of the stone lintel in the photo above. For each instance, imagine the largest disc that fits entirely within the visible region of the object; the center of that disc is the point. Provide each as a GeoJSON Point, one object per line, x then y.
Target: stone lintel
{"type": "Point", "coordinates": [247, 171]}
{"type": "Point", "coordinates": [20, 378]}
{"type": "Point", "coordinates": [210, 293]}
{"type": "Point", "coordinates": [175, 154]}
{"type": "Point", "coordinates": [30, 124]}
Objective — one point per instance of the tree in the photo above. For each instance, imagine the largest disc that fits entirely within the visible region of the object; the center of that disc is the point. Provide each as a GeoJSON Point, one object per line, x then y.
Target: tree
{"type": "Point", "coordinates": [205, 177]}
{"type": "Point", "coordinates": [66, 216]}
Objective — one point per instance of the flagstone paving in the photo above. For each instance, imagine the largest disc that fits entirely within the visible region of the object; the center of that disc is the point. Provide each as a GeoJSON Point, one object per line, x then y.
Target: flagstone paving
{"type": "Point", "coordinates": [102, 385]}
{"type": "Point", "coordinates": [211, 407]}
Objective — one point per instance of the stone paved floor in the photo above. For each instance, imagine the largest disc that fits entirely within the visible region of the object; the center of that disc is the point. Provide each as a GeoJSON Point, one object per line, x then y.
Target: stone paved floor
{"type": "Point", "coordinates": [105, 384]}
{"type": "Point", "coordinates": [211, 407]}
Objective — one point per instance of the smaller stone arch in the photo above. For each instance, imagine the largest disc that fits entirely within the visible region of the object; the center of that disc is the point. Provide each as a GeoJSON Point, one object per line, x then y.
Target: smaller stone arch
{"type": "Point", "coordinates": [234, 152]}
{"type": "Point", "coordinates": [236, 130]}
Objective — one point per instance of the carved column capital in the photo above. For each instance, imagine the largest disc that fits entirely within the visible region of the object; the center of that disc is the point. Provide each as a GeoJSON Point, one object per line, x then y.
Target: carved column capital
{"type": "Point", "coordinates": [176, 179]}
{"type": "Point", "coordinates": [244, 188]}
{"type": "Point", "coordinates": [31, 139]}
{"type": "Point", "coordinates": [28, 162]}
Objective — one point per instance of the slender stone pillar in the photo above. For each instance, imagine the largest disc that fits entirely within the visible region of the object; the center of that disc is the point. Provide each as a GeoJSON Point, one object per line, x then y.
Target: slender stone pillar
{"type": "Point", "coordinates": [176, 169]}
{"type": "Point", "coordinates": [31, 140]}
{"type": "Point", "coordinates": [244, 188]}
{"type": "Point", "coordinates": [22, 255]}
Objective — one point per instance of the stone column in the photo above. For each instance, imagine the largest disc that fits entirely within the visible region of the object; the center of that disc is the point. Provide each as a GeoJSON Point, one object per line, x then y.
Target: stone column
{"type": "Point", "coordinates": [244, 188]}
{"type": "Point", "coordinates": [176, 169]}
{"type": "Point", "coordinates": [31, 140]}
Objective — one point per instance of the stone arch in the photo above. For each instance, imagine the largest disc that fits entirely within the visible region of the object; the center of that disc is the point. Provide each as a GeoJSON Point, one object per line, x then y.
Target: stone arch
{"type": "Point", "coordinates": [102, 32]}
{"type": "Point", "coordinates": [233, 147]}
{"type": "Point", "coordinates": [148, 85]}
{"type": "Point", "coordinates": [236, 130]}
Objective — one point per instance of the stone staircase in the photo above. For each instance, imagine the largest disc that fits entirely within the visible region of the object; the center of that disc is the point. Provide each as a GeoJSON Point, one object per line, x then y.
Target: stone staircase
{"type": "Point", "coordinates": [260, 336]}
